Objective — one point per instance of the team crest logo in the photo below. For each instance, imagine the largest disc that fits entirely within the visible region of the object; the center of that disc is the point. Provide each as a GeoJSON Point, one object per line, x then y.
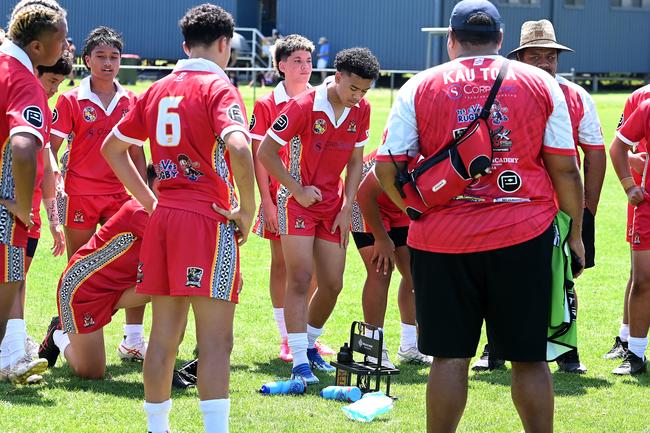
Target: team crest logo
{"type": "Point", "coordinates": [252, 124]}
{"type": "Point", "coordinates": [88, 320]}
{"type": "Point", "coordinates": [194, 276]}
{"type": "Point", "coordinates": [320, 126]}
{"type": "Point", "coordinates": [139, 274]}
{"type": "Point", "coordinates": [89, 114]}
{"type": "Point", "coordinates": [79, 216]}
{"type": "Point", "coordinates": [34, 116]}
{"type": "Point", "coordinates": [300, 223]}
{"type": "Point", "coordinates": [352, 127]}
{"type": "Point", "coordinates": [189, 167]}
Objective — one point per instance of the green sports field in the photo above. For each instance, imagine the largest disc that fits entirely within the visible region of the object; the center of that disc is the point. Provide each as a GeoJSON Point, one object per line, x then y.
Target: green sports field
{"type": "Point", "coordinates": [594, 402]}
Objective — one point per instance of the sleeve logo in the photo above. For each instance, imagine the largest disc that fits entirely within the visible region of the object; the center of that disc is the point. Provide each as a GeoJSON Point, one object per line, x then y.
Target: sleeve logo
{"type": "Point", "coordinates": [281, 123]}
{"type": "Point", "coordinates": [235, 114]}
{"type": "Point", "coordinates": [55, 115]}
{"type": "Point", "coordinates": [252, 124]}
{"type": "Point", "coordinates": [34, 116]}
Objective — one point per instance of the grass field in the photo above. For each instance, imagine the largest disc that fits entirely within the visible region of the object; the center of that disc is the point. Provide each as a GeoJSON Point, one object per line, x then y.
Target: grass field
{"type": "Point", "coordinates": [594, 402]}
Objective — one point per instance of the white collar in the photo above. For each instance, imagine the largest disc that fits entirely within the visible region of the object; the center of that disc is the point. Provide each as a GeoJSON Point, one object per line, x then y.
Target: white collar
{"type": "Point", "coordinates": [17, 53]}
{"type": "Point", "coordinates": [489, 56]}
{"type": "Point", "coordinates": [200, 65]}
{"type": "Point", "coordinates": [85, 92]}
{"type": "Point", "coordinates": [280, 93]}
{"type": "Point", "coordinates": [321, 103]}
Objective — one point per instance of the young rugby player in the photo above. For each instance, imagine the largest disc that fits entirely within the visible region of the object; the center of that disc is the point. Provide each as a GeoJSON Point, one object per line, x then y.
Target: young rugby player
{"type": "Point", "coordinates": [16, 344]}
{"type": "Point", "coordinates": [36, 36]}
{"type": "Point", "coordinates": [99, 280]}
{"type": "Point", "coordinates": [324, 131]}
{"type": "Point", "coordinates": [379, 230]}
{"type": "Point", "coordinates": [292, 61]}
{"type": "Point", "coordinates": [635, 129]}
{"type": "Point", "coordinates": [196, 123]}
{"type": "Point", "coordinates": [84, 116]}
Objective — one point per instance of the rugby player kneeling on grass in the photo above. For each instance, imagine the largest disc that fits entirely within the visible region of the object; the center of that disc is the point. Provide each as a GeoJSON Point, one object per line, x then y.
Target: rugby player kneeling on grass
{"type": "Point", "coordinates": [99, 280]}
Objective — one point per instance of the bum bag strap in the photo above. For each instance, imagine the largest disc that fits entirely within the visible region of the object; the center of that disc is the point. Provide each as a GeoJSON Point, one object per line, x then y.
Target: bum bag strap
{"type": "Point", "coordinates": [485, 112]}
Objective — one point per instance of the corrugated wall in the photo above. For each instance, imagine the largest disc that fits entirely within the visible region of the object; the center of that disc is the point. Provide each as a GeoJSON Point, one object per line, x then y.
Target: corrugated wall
{"type": "Point", "coordinates": [150, 27]}
{"type": "Point", "coordinates": [390, 28]}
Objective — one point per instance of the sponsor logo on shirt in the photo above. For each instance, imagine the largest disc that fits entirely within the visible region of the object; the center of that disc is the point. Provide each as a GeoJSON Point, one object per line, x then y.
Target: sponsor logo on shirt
{"type": "Point", "coordinates": [234, 113]}
{"type": "Point", "coordinates": [498, 113]}
{"type": "Point", "coordinates": [352, 127]}
{"type": "Point", "coordinates": [509, 181]}
{"type": "Point", "coordinates": [252, 124]}
{"type": "Point", "coordinates": [166, 170]}
{"type": "Point", "coordinates": [636, 240]}
{"type": "Point", "coordinates": [280, 123]}
{"type": "Point", "coordinates": [89, 114]}
{"type": "Point", "coordinates": [125, 111]}
{"type": "Point", "coordinates": [189, 167]}
{"type": "Point", "coordinates": [467, 115]}
{"type": "Point", "coordinates": [55, 115]}
{"type": "Point", "coordinates": [475, 91]}
{"type": "Point", "coordinates": [34, 116]}
{"type": "Point", "coordinates": [320, 126]}
{"type": "Point", "coordinates": [501, 141]}
{"type": "Point", "coordinates": [140, 273]}
{"type": "Point", "coordinates": [194, 276]}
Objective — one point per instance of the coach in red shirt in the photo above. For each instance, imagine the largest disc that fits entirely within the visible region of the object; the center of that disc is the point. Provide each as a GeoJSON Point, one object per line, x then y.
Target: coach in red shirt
{"type": "Point", "coordinates": [486, 255]}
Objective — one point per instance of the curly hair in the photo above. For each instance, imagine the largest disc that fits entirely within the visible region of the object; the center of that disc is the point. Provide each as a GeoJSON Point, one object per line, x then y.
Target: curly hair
{"type": "Point", "coordinates": [63, 66]}
{"type": "Point", "coordinates": [31, 18]}
{"type": "Point", "coordinates": [204, 24]}
{"type": "Point", "coordinates": [101, 36]}
{"type": "Point", "coordinates": [359, 61]}
{"type": "Point", "coordinates": [286, 46]}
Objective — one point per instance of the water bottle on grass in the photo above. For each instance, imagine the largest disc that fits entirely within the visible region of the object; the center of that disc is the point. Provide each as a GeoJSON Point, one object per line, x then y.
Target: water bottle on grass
{"type": "Point", "coordinates": [294, 386]}
{"type": "Point", "coordinates": [341, 393]}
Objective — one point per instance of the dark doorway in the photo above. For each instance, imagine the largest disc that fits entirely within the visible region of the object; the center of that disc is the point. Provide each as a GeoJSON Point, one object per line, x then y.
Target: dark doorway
{"type": "Point", "coordinates": [269, 11]}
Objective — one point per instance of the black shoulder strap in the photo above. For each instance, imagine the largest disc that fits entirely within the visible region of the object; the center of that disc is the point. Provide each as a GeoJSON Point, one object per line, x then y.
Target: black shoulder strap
{"type": "Point", "coordinates": [485, 112]}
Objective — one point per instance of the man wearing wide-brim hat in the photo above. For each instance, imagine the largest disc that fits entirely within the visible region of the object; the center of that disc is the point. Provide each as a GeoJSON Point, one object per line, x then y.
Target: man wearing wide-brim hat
{"type": "Point", "coordinates": [539, 47]}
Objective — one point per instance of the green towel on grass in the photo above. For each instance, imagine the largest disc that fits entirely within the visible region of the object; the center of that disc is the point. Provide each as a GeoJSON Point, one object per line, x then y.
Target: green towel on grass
{"type": "Point", "coordinates": [562, 327]}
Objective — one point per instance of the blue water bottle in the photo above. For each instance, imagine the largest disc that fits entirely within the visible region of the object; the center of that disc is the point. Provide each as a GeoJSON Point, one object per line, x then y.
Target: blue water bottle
{"type": "Point", "coordinates": [294, 386]}
{"type": "Point", "coordinates": [341, 393]}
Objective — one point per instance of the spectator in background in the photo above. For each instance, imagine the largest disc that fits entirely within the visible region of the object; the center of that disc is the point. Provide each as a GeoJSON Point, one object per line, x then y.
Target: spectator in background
{"type": "Point", "coordinates": [71, 50]}
{"type": "Point", "coordinates": [323, 56]}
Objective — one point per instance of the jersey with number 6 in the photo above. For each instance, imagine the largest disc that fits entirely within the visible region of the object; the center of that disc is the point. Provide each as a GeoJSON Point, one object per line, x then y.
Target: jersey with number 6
{"type": "Point", "coordinates": [186, 116]}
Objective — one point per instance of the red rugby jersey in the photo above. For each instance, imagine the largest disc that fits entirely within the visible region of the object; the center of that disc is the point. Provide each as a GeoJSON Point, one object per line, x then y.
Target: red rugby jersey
{"type": "Point", "coordinates": [186, 117]}
{"type": "Point", "coordinates": [265, 111]}
{"type": "Point", "coordinates": [80, 115]}
{"type": "Point", "coordinates": [23, 108]}
{"type": "Point", "coordinates": [387, 208]}
{"type": "Point", "coordinates": [631, 104]}
{"type": "Point", "coordinates": [319, 146]}
{"type": "Point", "coordinates": [110, 258]}
{"type": "Point", "coordinates": [587, 133]}
{"type": "Point", "coordinates": [515, 202]}
{"type": "Point", "coordinates": [637, 127]}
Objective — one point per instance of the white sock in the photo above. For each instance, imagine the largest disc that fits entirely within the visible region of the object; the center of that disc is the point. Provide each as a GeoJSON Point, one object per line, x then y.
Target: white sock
{"type": "Point", "coordinates": [298, 345]}
{"type": "Point", "coordinates": [409, 336]}
{"type": "Point", "coordinates": [637, 345]}
{"type": "Point", "coordinates": [12, 347]}
{"type": "Point", "coordinates": [134, 334]}
{"type": "Point", "coordinates": [158, 416]}
{"type": "Point", "coordinates": [61, 340]}
{"type": "Point", "coordinates": [215, 415]}
{"type": "Point", "coordinates": [312, 335]}
{"type": "Point", "coordinates": [624, 332]}
{"type": "Point", "coordinates": [278, 313]}
{"type": "Point", "coordinates": [375, 335]}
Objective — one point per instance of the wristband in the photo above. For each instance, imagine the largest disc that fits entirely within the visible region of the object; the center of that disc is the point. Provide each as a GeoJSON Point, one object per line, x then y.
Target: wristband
{"type": "Point", "coordinates": [51, 210]}
{"type": "Point", "coordinates": [627, 183]}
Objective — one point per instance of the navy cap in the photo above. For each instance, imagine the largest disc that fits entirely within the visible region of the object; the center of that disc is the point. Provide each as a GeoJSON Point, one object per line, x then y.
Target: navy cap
{"type": "Point", "coordinates": [466, 8]}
